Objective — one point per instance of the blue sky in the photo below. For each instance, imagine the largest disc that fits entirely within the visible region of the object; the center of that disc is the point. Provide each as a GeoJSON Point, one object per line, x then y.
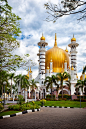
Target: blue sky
{"type": "Point", "coordinates": [33, 24]}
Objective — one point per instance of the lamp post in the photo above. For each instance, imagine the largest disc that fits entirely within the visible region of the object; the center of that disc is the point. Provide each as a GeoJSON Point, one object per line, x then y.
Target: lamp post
{"type": "Point", "coordinates": [4, 83]}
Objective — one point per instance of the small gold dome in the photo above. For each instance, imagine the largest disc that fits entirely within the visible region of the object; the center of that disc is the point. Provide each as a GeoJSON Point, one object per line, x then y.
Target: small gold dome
{"type": "Point", "coordinates": [72, 68]}
{"type": "Point", "coordinates": [42, 38]}
{"type": "Point", "coordinates": [73, 39]}
{"type": "Point", "coordinates": [30, 70]}
{"type": "Point", "coordinates": [77, 76]}
{"type": "Point", "coordinates": [82, 77]}
{"type": "Point", "coordinates": [66, 49]}
{"type": "Point", "coordinates": [58, 56]}
{"type": "Point", "coordinates": [47, 67]}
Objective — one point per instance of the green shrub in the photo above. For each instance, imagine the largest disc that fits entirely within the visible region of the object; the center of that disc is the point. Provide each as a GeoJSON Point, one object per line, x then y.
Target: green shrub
{"type": "Point", "coordinates": [1, 107]}
{"type": "Point", "coordinates": [43, 101]}
{"type": "Point", "coordinates": [50, 96]}
{"type": "Point", "coordinates": [20, 99]}
{"type": "Point", "coordinates": [64, 96]}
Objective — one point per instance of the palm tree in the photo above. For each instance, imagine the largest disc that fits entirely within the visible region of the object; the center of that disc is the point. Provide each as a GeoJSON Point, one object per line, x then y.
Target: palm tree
{"type": "Point", "coordinates": [33, 85]}
{"type": "Point", "coordinates": [68, 83]}
{"type": "Point", "coordinates": [61, 77]}
{"type": "Point", "coordinates": [80, 84]}
{"type": "Point", "coordinates": [84, 69]}
{"type": "Point", "coordinates": [17, 80]}
{"type": "Point", "coordinates": [25, 83]}
{"type": "Point", "coordinates": [11, 76]}
{"type": "Point", "coordinates": [3, 77]}
{"type": "Point", "coordinates": [49, 81]}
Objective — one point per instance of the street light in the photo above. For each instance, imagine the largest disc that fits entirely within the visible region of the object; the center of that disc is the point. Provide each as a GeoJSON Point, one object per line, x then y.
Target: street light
{"type": "Point", "coordinates": [4, 83]}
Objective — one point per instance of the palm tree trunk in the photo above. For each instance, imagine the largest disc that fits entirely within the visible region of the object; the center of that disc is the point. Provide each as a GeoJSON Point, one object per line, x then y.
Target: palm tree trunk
{"type": "Point", "coordinates": [11, 88]}
{"type": "Point", "coordinates": [62, 90]}
{"type": "Point", "coordinates": [2, 91]}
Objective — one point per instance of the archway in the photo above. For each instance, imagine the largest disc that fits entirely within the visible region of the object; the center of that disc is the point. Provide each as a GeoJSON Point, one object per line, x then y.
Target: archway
{"type": "Point", "coordinates": [32, 94]}
{"type": "Point", "coordinates": [64, 92]}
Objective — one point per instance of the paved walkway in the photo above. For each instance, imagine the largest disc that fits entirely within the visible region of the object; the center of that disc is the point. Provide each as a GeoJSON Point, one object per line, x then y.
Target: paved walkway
{"type": "Point", "coordinates": [47, 118]}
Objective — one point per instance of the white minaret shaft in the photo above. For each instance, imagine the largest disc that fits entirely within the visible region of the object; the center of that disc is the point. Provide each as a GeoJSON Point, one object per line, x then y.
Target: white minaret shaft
{"type": "Point", "coordinates": [42, 52]}
{"type": "Point", "coordinates": [73, 53]}
{"type": "Point", "coordinates": [65, 66]}
{"type": "Point", "coordinates": [47, 71]}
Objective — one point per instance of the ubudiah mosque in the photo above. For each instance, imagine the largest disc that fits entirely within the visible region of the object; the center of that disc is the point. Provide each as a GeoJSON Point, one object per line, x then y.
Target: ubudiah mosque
{"type": "Point", "coordinates": [53, 61]}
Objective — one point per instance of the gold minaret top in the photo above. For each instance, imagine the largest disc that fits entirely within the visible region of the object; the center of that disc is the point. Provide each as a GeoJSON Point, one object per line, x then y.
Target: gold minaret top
{"type": "Point", "coordinates": [55, 45]}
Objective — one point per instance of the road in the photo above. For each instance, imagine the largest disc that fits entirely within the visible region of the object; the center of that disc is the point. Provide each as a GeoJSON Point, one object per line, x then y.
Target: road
{"type": "Point", "coordinates": [47, 118]}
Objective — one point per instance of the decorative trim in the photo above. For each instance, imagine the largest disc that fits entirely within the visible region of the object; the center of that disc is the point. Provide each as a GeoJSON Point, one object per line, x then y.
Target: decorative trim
{"type": "Point", "coordinates": [60, 107]}
{"type": "Point", "coordinates": [20, 113]}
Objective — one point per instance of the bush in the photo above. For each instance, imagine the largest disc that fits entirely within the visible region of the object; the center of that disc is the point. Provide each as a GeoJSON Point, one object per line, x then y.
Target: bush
{"type": "Point", "coordinates": [50, 96]}
{"type": "Point", "coordinates": [1, 107]}
{"type": "Point", "coordinates": [43, 101]}
{"type": "Point", "coordinates": [83, 97]}
{"type": "Point", "coordinates": [64, 96]}
{"type": "Point", "coordinates": [20, 99]}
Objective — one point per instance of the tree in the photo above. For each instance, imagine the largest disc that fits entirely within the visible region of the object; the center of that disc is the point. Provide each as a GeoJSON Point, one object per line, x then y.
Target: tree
{"type": "Point", "coordinates": [3, 77]}
{"type": "Point", "coordinates": [49, 82]}
{"type": "Point", "coordinates": [84, 70]}
{"type": "Point", "coordinates": [33, 85]}
{"type": "Point", "coordinates": [11, 77]}
{"type": "Point", "coordinates": [66, 7]}
{"type": "Point", "coordinates": [61, 77]}
{"type": "Point", "coordinates": [80, 84]}
{"type": "Point", "coordinates": [68, 83]}
{"type": "Point", "coordinates": [9, 31]}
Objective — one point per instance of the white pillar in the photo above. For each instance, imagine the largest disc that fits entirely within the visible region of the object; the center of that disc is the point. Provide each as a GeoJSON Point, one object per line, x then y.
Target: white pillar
{"type": "Point", "coordinates": [29, 91]}
{"type": "Point", "coordinates": [25, 95]}
{"type": "Point", "coordinates": [83, 76]}
{"type": "Point", "coordinates": [65, 66]}
{"type": "Point", "coordinates": [35, 94]}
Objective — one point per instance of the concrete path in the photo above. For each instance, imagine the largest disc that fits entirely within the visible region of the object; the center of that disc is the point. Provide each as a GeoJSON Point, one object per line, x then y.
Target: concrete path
{"type": "Point", "coordinates": [47, 118]}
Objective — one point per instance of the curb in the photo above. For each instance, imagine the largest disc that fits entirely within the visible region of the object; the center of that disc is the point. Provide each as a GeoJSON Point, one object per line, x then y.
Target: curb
{"type": "Point", "coordinates": [61, 107]}
{"type": "Point", "coordinates": [20, 113]}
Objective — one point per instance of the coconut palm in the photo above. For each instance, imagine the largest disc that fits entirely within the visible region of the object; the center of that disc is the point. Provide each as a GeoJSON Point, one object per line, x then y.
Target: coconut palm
{"type": "Point", "coordinates": [84, 70]}
{"type": "Point", "coordinates": [61, 77]}
{"type": "Point", "coordinates": [33, 85]}
{"type": "Point", "coordinates": [25, 83]}
{"type": "Point", "coordinates": [68, 83]}
{"type": "Point", "coordinates": [49, 82]}
{"type": "Point", "coordinates": [80, 84]}
{"type": "Point", "coordinates": [11, 77]}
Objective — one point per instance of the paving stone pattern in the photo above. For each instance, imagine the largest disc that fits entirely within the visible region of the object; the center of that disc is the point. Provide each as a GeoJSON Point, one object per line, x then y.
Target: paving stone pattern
{"type": "Point", "coordinates": [47, 118]}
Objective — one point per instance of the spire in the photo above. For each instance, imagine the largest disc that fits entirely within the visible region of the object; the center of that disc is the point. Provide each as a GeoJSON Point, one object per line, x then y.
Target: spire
{"type": "Point", "coordinates": [30, 70]}
{"type": "Point", "coordinates": [55, 44]}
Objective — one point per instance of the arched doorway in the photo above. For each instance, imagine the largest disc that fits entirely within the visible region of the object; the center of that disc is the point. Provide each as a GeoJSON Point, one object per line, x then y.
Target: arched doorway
{"type": "Point", "coordinates": [32, 94]}
{"type": "Point", "coordinates": [64, 92]}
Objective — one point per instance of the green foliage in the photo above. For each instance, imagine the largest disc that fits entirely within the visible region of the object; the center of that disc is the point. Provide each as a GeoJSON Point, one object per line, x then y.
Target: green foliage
{"type": "Point", "coordinates": [1, 107]}
{"type": "Point", "coordinates": [23, 107]}
{"type": "Point", "coordinates": [50, 97]}
{"type": "Point", "coordinates": [43, 101]}
{"type": "Point", "coordinates": [64, 96]}
{"type": "Point", "coordinates": [20, 99]}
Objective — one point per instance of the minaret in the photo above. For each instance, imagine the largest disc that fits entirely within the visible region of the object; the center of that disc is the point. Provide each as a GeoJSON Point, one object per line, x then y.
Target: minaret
{"type": "Point", "coordinates": [30, 74]}
{"type": "Point", "coordinates": [73, 53]}
{"type": "Point", "coordinates": [42, 51]}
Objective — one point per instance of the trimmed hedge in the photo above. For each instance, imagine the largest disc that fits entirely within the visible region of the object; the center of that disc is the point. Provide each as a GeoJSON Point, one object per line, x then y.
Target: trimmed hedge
{"type": "Point", "coordinates": [66, 96]}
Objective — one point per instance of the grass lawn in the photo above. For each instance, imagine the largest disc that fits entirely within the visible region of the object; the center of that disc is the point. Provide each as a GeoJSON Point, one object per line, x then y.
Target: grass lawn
{"type": "Point", "coordinates": [8, 113]}
{"type": "Point", "coordinates": [64, 103]}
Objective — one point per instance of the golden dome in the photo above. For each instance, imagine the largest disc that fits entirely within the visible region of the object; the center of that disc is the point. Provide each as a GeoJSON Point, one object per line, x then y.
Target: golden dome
{"type": "Point", "coordinates": [66, 49]}
{"type": "Point", "coordinates": [42, 38]}
{"type": "Point", "coordinates": [72, 68]}
{"type": "Point", "coordinates": [73, 39]}
{"type": "Point", "coordinates": [58, 56]}
{"type": "Point", "coordinates": [81, 77]}
{"type": "Point", "coordinates": [47, 67]}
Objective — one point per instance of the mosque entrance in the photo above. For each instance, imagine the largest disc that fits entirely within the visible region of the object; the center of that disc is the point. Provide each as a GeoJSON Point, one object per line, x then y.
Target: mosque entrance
{"type": "Point", "coordinates": [32, 94]}
{"type": "Point", "coordinates": [64, 92]}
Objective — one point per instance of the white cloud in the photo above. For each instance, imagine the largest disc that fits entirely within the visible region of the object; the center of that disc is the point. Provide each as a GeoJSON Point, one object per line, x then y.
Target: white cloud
{"type": "Point", "coordinates": [33, 23]}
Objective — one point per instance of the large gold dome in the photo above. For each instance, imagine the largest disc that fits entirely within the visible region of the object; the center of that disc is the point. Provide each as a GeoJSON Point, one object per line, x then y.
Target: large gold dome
{"type": "Point", "coordinates": [58, 57]}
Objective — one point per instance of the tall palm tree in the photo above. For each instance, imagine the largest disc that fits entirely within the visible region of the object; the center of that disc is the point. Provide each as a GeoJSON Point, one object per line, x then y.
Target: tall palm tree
{"type": "Point", "coordinates": [80, 84]}
{"type": "Point", "coordinates": [84, 70]}
{"type": "Point", "coordinates": [61, 77]}
{"type": "Point", "coordinates": [33, 85]}
{"type": "Point", "coordinates": [25, 83]}
{"type": "Point", "coordinates": [49, 82]}
{"type": "Point", "coordinates": [68, 83]}
{"type": "Point", "coordinates": [3, 77]}
{"type": "Point", "coordinates": [11, 76]}
{"type": "Point", "coordinates": [18, 80]}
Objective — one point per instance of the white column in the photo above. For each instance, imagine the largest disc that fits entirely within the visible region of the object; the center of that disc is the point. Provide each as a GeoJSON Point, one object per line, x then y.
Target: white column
{"type": "Point", "coordinates": [25, 95]}
{"type": "Point", "coordinates": [65, 66]}
{"type": "Point", "coordinates": [83, 76]}
{"type": "Point", "coordinates": [29, 91]}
